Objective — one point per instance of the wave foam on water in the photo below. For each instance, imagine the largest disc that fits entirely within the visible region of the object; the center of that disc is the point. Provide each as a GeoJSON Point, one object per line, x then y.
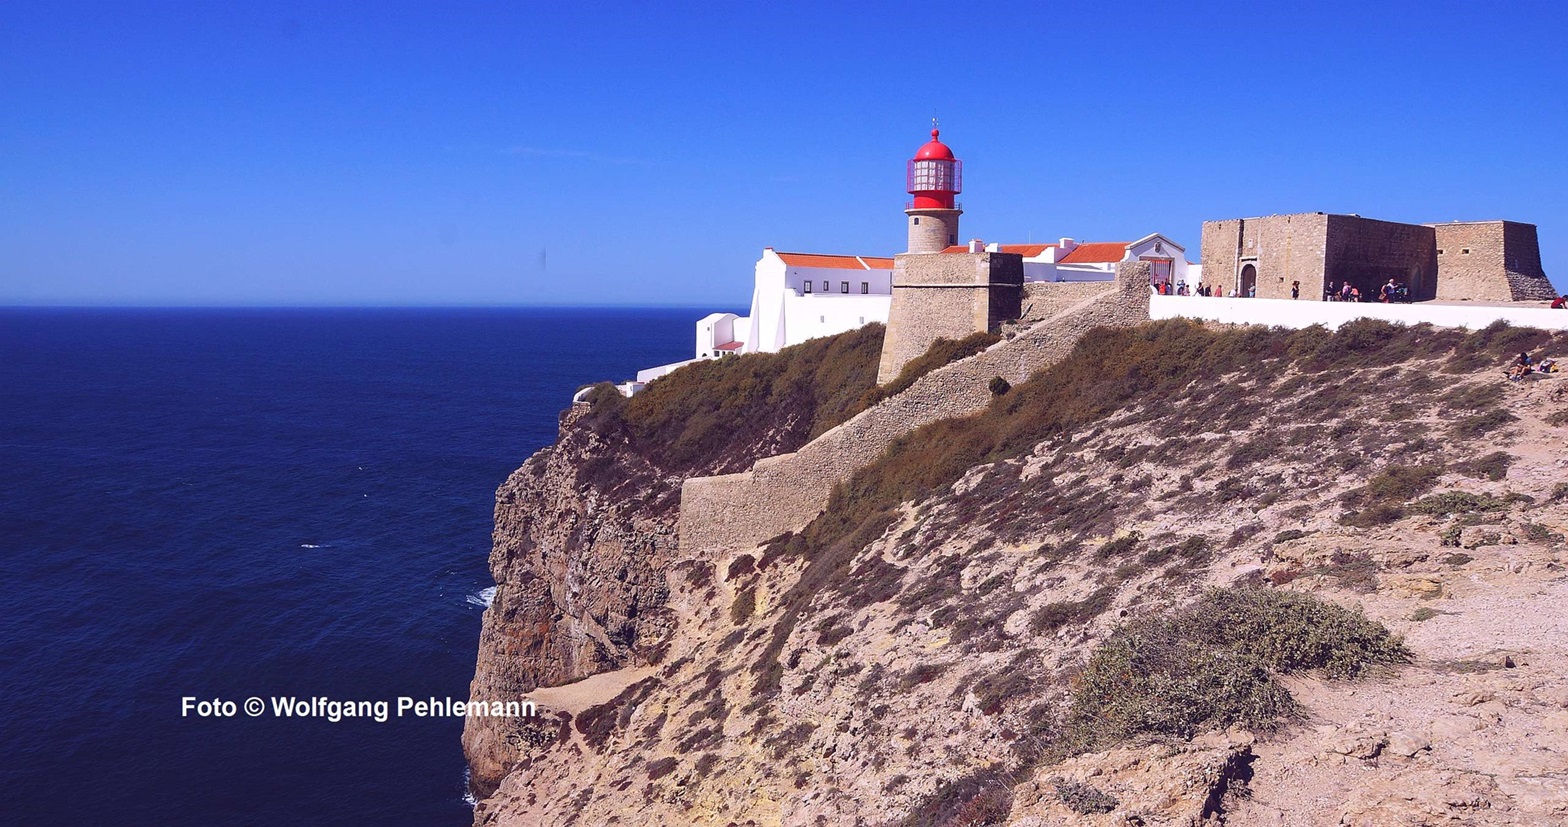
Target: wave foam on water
{"type": "Point", "coordinates": [484, 598]}
{"type": "Point", "coordinates": [468, 789]}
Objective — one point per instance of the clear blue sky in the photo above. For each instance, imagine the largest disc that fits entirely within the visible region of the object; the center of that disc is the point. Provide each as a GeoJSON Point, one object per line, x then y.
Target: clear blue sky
{"type": "Point", "coordinates": [644, 153]}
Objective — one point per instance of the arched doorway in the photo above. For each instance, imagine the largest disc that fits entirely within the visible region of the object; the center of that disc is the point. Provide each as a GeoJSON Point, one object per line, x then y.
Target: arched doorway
{"type": "Point", "coordinates": [1249, 281]}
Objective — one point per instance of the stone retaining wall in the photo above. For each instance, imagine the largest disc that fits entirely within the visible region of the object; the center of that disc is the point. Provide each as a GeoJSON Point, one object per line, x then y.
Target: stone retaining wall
{"type": "Point", "coordinates": [1044, 299]}
{"type": "Point", "coordinates": [785, 492]}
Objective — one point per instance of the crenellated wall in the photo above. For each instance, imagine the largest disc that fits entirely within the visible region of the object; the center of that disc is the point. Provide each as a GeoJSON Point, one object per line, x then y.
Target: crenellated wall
{"type": "Point", "coordinates": [784, 493]}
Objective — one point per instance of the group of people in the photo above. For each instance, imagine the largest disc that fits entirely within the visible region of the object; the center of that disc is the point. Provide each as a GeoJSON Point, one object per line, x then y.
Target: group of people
{"type": "Point", "coordinates": [1391, 292]}
{"type": "Point", "coordinates": [1523, 366]}
{"type": "Point", "coordinates": [1181, 288]}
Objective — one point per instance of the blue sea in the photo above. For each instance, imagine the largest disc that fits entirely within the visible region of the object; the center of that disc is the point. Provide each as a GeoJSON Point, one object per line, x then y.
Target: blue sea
{"type": "Point", "coordinates": [256, 503]}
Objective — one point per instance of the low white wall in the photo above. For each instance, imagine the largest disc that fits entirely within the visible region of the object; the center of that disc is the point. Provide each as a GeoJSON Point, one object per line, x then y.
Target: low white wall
{"type": "Point", "coordinates": [651, 374]}
{"type": "Point", "coordinates": [1297, 314]}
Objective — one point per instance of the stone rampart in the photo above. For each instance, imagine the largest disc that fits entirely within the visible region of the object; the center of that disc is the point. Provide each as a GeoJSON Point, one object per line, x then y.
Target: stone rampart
{"type": "Point", "coordinates": [1494, 261]}
{"type": "Point", "coordinates": [785, 492]}
{"type": "Point", "coordinates": [946, 296]}
{"type": "Point", "coordinates": [1044, 299]}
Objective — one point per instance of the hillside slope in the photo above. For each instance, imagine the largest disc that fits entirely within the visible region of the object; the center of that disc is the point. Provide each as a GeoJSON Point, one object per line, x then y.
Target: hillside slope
{"type": "Point", "coordinates": [1012, 618]}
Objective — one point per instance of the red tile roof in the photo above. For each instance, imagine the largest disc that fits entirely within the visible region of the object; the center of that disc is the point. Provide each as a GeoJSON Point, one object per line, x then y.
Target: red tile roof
{"type": "Point", "coordinates": [730, 346]}
{"type": "Point", "coordinates": [1098, 252]}
{"type": "Point", "coordinates": [836, 262]}
{"type": "Point", "coordinates": [1025, 250]}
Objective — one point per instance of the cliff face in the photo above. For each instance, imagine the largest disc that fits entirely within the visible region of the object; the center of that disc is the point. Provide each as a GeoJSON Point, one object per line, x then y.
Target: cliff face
{"type": "Point", "coordinates": [940, 647]}
{"type": "Point", "coordinates": [580, 580]}
{"type": "Point", "coordinates": [585, 530]}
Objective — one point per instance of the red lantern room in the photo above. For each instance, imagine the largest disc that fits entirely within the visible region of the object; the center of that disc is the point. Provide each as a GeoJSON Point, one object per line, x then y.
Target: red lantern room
{"type": "Point", "coordinates": [934, 176]}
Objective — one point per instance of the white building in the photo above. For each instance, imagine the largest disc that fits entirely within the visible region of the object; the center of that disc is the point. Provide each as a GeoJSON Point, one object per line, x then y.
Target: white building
{"type": "Point", "coordinates": [795, 297]}
{"type": "Point", "coordinates": [1070, 260]}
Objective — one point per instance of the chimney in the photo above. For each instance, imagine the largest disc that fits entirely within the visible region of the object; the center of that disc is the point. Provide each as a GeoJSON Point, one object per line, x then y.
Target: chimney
{"type": "Point", "coordinates": [976, 245]}
{"type": "Point", "coordinates": [994, 247]}
{"type": "Point", "coordinates": [1066, 244]}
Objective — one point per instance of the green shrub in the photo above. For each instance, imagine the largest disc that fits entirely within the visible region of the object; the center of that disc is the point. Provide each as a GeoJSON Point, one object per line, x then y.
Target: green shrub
{"type": "Point", "coordinates": [1210, 664]}
{"type": "Point", "coordinates": [1474, 427]}
{"type": "Point", "coordinates": [721, 409]}
{"type": "Point", "coordinates": [744, 607]}
{"type": "Point", "coordinates": [1084, 799]}
{"type": "Point", "coordinates": [1289, 534]}
{"type": "Point", "coordinates": [1493, 466]}
{"type": "Point", "coordinates": [1457, 502]}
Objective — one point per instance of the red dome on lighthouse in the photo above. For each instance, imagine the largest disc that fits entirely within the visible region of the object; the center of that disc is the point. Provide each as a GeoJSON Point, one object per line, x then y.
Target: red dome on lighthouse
{"type": "Point", "coordinates": [934, 150]}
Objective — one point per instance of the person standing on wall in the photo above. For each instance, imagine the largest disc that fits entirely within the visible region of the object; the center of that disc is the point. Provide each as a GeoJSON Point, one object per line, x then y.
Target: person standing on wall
{"type": "Point", "coordinates": [1295, 290]}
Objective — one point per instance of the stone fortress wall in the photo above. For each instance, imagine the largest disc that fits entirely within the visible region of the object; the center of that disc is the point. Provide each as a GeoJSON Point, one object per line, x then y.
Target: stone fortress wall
{"type": "Point", "coordinates": [1490, 261]}
{"type": "Point", "coordinates": [1367, 253]}
{"type": "Point", "coordinates": [1043, 299]}
{"type": "Point", "coordinates": [946, 296]}
{"type": "Point", "coordinates": [786, 492]}
{"type": "Point", "coordinates": [1283, 249]}
{"type": "Point", "coordinates": [1487, 261]}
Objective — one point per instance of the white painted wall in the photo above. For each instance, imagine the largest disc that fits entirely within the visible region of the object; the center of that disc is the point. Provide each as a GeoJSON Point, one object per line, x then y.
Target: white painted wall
{"type": "Point", "coordinates": [784, 314]}
{"type": "Point", "coordinates": [650, 374]}
{"type": "Point", "coordinates": [810, 315]}
{"type": "Point", "coordinates": [1298, 314]}
{"type": "Point", "coordinates": [713, 330]}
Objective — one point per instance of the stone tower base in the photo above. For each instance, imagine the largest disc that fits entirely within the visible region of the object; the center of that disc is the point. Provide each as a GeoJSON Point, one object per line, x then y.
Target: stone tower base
{"type": "Point", "coordinates": [947, 296]}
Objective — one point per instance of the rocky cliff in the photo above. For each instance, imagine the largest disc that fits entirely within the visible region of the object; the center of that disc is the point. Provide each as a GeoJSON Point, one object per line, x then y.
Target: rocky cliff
{"type": "Point", "coordinates": [1182, 575]}
{"type": "Point", "coordinates": [585, 530]}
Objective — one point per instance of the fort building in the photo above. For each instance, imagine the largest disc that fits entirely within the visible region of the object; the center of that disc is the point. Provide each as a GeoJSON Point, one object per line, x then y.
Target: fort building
{"type": "Point", "coordinates": [1315, 253]}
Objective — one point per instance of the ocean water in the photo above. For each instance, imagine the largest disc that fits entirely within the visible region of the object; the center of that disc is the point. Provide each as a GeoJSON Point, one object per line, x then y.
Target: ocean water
{"type": "Point", "coordinates": [237, 503]}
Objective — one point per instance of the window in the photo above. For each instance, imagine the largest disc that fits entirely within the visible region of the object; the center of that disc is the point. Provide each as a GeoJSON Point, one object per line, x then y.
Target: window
{"type": "Point", "coordinates": [822, 319]}
{"type": "Point", "coordinates": [1440, 251]}
{"type": "Point", "coordinates": [865, 287]}
{"type": "Point", "coordinates": [952, 239]}
{"type": "Point", "coordinates": [808, 287]}
{"type": "Point", "coordinates": [843, 287]}
{"type": "Point", "coordinates": [1465, 251]}
{"type": "Point", "coordinates": [917, 221]}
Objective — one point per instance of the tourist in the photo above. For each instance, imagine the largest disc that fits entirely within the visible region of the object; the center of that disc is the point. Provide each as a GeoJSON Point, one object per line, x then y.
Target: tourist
{"type": "Point", "coordinates": [1520, 366]}
{"type": "Point", "coordinates": [1560, 303]}
{"type": "Point", "coordinates": [1295, 290]}
{"type": "Point", "coordinates": [1355, 294]}
{"type": "Point", "coordinates": [1252, 291]}
{"type": "Point", "coordinates": [1345, 292]}
{"type": "Point", "coordinates": [1386, 292]}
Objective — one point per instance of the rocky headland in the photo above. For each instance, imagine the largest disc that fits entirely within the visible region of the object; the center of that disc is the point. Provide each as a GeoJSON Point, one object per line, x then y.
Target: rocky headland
{"type": "Point", "coordinates": [1181, 575]}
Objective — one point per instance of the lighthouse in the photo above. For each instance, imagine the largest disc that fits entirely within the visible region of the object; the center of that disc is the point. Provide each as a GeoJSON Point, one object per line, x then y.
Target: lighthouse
{"type": "Point", "coordinates": [936, 295]}
{"type": "Point", "coordinates": [934, 178]}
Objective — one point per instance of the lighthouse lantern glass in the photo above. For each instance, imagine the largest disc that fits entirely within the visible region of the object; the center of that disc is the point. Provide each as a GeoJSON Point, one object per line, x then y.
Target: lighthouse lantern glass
{"type": "Point", "coordinates": [934, 175]}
